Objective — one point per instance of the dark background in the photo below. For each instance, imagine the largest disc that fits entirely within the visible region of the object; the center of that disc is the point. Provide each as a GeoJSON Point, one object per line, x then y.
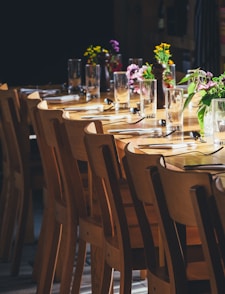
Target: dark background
{"type": "Point", "coordinates": [37, 37]}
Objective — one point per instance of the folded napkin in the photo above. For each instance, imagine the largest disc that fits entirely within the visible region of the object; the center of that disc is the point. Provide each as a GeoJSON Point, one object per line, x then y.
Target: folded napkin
{"type": "Point", "coordinates": [105, 117]}
{"type": "Point", "coordinates": [34, 95]}
{"type": "Point", "coordinates": [137, 131]}
{"type": "Point", "coordinates": [62, 99]}
{"type": "Point", "coordinates": [41, 91]}
{"type": "Point", "coordinates": [99, 107]}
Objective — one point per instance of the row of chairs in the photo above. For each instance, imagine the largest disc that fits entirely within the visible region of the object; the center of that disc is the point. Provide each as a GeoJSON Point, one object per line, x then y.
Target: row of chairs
{"type": "Point", "coordinates": [80, 206]}
{"type": "Point", "coordinates": [22, 175]}
{"type": "Point", "coordinates": [88, 200]}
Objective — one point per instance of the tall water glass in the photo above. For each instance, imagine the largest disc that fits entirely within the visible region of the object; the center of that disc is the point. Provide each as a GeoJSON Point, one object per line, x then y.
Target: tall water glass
{"type": "Point", "coordinates": [136, 60]}
{"type": "Point", "coordinates": [174, 102]}
{"type": "Point", "coordinates": [218, 113]}
{"type": "Point", "coordinates": [92, 80]}
{"type": "Point", "coordinates": [74, 75]}
{"type": "Point", "coordinates": [148, 98]}
{"type": "Point", "coordinates": [121, 90]}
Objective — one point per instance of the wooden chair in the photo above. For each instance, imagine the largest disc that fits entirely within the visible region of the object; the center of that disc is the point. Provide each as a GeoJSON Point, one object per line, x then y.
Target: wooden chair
{"type": "Point", "coordinates": [123, 243]}
{"type": "Point", "coordinates": [5, 181]}
{"type": "Point", "coordinates": [65, 138]}
{"type": "Point", "coordinates": [26, 175]}
{"type": "Point", "coordinates": [136, 166]}
{"type": "Point", "coordinates": [62, 230]}
{"type": "Point", "coordinates": [210, 215]}
{"type": "Point", "coordinates": [51, 190]}
{"type": "Point", "coordinates": [89, 216]}
{"type": "Point", "coordinates": [175, 213]}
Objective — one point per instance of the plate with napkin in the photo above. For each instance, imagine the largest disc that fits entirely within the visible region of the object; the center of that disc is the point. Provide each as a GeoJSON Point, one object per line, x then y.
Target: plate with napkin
{"type": "Point", "coordinates": [62, 99]}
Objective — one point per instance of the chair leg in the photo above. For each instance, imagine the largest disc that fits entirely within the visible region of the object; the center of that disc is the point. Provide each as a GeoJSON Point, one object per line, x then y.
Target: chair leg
{"type": "Point", "coordinates": [79, 267]}
{"type": "Point", "coordinates": [8, 224]}
{"type": "Point", "coordinates": [29, 236]}
{"type": "Point", "coordinates": [4, 198]}
{"type": "Point", "coordinates": [125, 280]}
{"type": "Point", "coordinates": [68, 250]}
{"type": "Point", "coordinates": [106, 279]}
{"type": "Point", "coordinates": [49, 261]}
{"type": "Point", "coordinates": [25, 198]}
{"type": "Point", "coordinates": [42, 241]}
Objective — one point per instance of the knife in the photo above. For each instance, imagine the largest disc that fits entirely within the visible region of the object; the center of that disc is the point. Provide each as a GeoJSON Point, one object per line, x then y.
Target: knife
{"type": "Point", "coordinates": [215, 166]}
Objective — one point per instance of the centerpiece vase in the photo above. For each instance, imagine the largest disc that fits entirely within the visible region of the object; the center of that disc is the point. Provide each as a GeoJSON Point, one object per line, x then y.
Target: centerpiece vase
{"type": "Point", "coordinates": [158, 70]}
{"type": "Point", "coordinates": [104, 75]}
{"type": "Point", "coordinates": [115, 64]}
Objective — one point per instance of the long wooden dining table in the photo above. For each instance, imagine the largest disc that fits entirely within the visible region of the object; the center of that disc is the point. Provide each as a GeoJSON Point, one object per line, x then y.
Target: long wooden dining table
{"type": "Point", "coordinates": [181, 149]}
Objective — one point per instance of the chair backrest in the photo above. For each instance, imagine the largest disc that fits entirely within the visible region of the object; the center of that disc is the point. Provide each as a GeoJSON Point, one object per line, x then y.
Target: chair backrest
{"type": "Point", "coordinates": [65, 206]}
{"type": "Point", "coordinates": [105, 165]}
{"type": "Point", "coordinates": [137, 166]}
{"type": "Point", "coordinates": [26, 172]}
{"type": "Point", "coordinates": [51, 120]}
{"type": "Point", "coordinates": [74, 129]}
{"type": "Point", "coordinates": [175, 211]}
{"type": "Point", "coordinates": [46, 152]}
{"type": "Point", "coordinates": [210, 216]}
{"type": "Point", "coordinates": [10, 120]}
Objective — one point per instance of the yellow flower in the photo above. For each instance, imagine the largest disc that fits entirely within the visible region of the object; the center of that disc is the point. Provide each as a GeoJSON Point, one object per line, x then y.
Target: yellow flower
{"type": "Point", "coordinates": [92, 53]}
{"type": "Point", "coordinates": [162, 54]}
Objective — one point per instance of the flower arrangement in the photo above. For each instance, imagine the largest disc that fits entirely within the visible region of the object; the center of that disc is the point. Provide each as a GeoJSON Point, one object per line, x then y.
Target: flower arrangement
{"type": "Point", "coordinates": [206, 87]}
{"type": "Point", "coordinates": [163, 57]}
{"type": "Point", "coordinates": [115, 61]}
{"type": "Point", "coordinates": [92, 53]}
{"type": "Point", "coordinates": [135, 74]}
{"type": "Point", "coordinates": [162, 54]}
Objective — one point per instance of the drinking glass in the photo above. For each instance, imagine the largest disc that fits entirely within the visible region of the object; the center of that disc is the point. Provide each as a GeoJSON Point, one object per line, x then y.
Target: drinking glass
{"type": "Point", "coordinates": [174, 109]}
{"type": "Point", "coordinates": [92, 79]}
{"type": "Point", "coordinates": [74, 75]}
{"type": "Point", "coordinates": [137, 61]}
{"type": "Point", "coordinates": [218, 112]}
{"type": "Point", "coordinates": [121, 90]}
{"type": "Point", "coordinates": [148, 98]}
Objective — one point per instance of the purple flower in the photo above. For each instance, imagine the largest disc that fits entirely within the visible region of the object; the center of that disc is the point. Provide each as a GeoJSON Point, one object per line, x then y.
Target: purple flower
{"type": "Point", "coordinates": [115, 45]}
{"type": "Point", "coordinates": [207, 86]}
{"type": "Point", "coordinates": [132, 72]}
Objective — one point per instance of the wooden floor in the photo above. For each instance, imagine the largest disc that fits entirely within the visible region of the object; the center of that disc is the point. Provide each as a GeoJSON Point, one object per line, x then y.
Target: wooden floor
{"type": "Point", "coordinates": [23, 283]}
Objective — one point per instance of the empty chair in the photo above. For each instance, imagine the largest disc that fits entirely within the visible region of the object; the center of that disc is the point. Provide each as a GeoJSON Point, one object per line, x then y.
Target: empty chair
{"type": "Point", "coordinates": [210, 215]}
{"type": "Point", "coordinates": [137, 172]}
{"type": "Point", "coordinates": [62, 228]}
{"type": "Point", "coordinates": [65, 139]}
{"type": "Point", "coordinates": [123, 243]}
{"type": "Point", "coordinates": [89, 213]}
{"type": "Point", "coordinates": [50, 191]}
{"type": "Point", "coordinates": [175, 211]}
{"type": "Point", "coordinates": [25, 174]}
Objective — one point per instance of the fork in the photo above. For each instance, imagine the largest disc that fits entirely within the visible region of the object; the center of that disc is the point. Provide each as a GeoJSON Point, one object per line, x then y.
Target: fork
{"type": "Point", "coordinates": [129, 123]}
{"type": "Point", "coordinates": [197, 151]}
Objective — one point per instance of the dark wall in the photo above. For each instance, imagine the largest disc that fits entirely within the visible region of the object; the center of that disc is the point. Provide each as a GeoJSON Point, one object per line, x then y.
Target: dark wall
{"type": "Point", "coordinates": [37, 37]}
